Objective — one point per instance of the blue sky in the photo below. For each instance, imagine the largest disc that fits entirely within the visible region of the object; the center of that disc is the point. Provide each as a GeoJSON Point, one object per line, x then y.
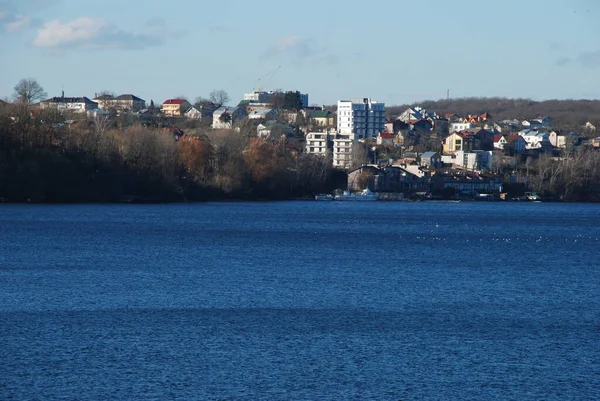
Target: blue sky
{"type": "Point", "coordinates": [394, 51]}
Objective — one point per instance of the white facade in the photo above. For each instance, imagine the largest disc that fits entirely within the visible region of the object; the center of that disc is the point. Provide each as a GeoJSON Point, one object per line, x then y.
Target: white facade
{"type": "Point", "coordinates": [316, 143]}
{"type": "Point", "coordinates": [265, 97]}
{"type": "Point", "coordinates": [342, 151]}
{"type": "Point", "coordinates": [233, 115]}
{"type": "Point", "coordinates": [475, 160]}
{"type": "Point", "coordinates": [75, 104]}
{"type": "Point", "coordinates": [363, 118]}
{"type": "Point", "coordinates": [535, 139]}
{"type": "Point", "coordinates": [258, 97]}
{"type": "Point", "coordinates": [457, 127]}
{"type": "Point", "coordinates": [193, 113]}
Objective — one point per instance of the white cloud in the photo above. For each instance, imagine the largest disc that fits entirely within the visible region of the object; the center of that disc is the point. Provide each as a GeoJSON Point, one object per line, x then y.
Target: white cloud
{"type": "Point", "coordinates": [89, 33]}
{"type": "Point", "coordinates": [78, 31]}
{"type": "Point", "coordinates": [19, 22]}
{"type": "Point", "coordinates": [299, 49]}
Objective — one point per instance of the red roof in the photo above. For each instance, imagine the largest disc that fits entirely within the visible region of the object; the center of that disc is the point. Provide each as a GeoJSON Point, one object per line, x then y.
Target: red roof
{"type": "Point", "coordinates": [497, 137]}
{"type": "Point", "coordinates": [174, 101]}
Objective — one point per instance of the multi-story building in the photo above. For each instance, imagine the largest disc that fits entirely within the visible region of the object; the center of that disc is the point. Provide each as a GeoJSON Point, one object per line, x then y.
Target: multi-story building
{"type": "Point", "coordinates": [342, 150]}
{"type": "Point", "coordinates": [362, 118]}
{"type": "Point", "coordinates": [317, 142]}
{"type": "Point", "coordinates": [126, 102]}
{"type": "Point", "coordinates": [75, 104]}
{"type": "Point", "coordinates": [258, 96]}
{"type": "Point", "coordinates": [267, 97]}
{"type": "Point", "coordinates": [356, 120]}
{"type": "Point", "coordinates": [175, 107]}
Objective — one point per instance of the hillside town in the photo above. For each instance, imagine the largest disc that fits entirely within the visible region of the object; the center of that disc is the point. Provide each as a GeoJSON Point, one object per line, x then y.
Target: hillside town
{"type": "Point", "coordinates": [416, 154]}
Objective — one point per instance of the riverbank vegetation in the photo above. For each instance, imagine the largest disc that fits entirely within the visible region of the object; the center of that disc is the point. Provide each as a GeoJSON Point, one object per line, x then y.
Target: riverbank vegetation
{"type": "Point", "coordinates": [46, 157]}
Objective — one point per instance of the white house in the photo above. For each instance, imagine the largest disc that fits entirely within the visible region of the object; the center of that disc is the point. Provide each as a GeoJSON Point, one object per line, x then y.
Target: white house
{"type": "Point", "coordinates": [193, 113]}
{"type": "Point", "coordinates": [499, 141]}
{"type": "Point", "coordinates": [226, 117]}
{"type": "Point", "coordinates": [473, 160]}
{"type": "Point", "coordinates": [75, 104]}
{"type": "Point", "coordinates": [535, 139]}
{"type": "Point", "coordinates": [261, 114]}
{"type": "Point", "coordinates": [414, 114]}
{"type": "Point", "coordinates": [461, 126]}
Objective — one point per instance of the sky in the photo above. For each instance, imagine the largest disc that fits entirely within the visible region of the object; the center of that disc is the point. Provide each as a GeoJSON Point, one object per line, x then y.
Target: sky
{"type": "Point", "coordinates": [393, 51]}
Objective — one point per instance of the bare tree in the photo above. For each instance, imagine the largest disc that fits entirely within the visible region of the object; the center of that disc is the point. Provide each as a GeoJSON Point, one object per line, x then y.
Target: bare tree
{"type": "Point", "coordinates": [219, 96]}
{"type": "Point", "coordinates": [28, 91]}
{"type": "Point", "coordinates": [360, 155]}
{"type": "Point", "coordinates": [106, 93]}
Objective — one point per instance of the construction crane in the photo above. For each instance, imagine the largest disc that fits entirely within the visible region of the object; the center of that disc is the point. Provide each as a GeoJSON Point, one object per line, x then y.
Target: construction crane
{"type": "Point", "coordinates": [267, 77]}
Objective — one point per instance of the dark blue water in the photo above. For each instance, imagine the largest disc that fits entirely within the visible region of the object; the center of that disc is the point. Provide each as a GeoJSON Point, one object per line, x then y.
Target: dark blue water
{"type": "Point", "coordinates": [300, 301]}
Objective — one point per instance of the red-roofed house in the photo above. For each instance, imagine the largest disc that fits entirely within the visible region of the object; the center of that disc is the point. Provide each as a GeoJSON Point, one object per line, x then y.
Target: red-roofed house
{"type": "Point", "coordinates": [517, 142]}
{"type": "Point", "coordinates": [499, 141]}
{"type": "Point", "coordinates": [385, 138]}
{"type": "Point", "coordinates": [175, 107]}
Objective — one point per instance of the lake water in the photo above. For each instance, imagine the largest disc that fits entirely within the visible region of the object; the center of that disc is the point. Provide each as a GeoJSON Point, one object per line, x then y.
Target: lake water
{"type": "Point", "coordinates": [300, 301]}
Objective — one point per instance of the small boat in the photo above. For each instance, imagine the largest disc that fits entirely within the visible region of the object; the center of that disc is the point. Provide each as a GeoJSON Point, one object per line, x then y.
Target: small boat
{"type": "Point", "coordinates": [365, 195]}
{"type": "Point", "coordinates": [323, 197]}
{"type": "Point", "coordinates": [532, 196]}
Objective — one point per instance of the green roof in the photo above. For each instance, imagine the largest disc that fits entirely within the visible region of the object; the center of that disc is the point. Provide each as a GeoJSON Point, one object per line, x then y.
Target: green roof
{"type": "Point", "coordinates": [320, 114]}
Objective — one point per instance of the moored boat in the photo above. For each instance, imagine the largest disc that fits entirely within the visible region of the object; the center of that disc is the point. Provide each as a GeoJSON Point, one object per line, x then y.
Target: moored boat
{"type": "Point", "coordinates": [365, 195]}
{"type": "Point", "coordinates": [323, 197]}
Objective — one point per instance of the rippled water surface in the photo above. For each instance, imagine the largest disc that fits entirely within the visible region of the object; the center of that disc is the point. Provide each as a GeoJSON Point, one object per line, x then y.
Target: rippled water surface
{"type": "Point", "coordinates": [300, 301]}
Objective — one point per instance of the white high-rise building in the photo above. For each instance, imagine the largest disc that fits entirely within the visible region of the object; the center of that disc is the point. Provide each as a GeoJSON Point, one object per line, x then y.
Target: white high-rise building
{"type": "Point", "coordinates": [363, 118]}
{"type": "Point", "coordinates": [357, 119]}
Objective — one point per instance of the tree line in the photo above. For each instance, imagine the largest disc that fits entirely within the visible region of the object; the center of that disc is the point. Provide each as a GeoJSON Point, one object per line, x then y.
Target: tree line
{"type": "Point", "coordinates": [44, 159]}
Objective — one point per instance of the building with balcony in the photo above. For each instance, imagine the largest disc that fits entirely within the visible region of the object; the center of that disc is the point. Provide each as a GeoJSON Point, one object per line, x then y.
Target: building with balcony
{"type": "Point", "coordinates": [363, 118]}
{"type": "Point", "coordinates": [317, 143]}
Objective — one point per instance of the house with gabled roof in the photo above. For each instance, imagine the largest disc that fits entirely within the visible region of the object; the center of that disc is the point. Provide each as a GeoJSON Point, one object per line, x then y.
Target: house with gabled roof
{"type": "Point", "coordinates": [535, 139]}
{"type": "Point", "coordinates": [193, 113]}
{"type": "Point", "coordinates": [274, 130]}
{"type": "Point", "coordinates": [517, 143]}
{"type": "Point", "coordinates": [414, 114]}
{"type": "Point", "coordinates": [175, 107]}
{"type": "Point", "coordinates": [323, 117]}
{"type": "Point", "coordinates": [452, 117]}
{"type": "Point", "coordinates": [385, 138]}
{"type": "Point", "coordinates": [430, 159]}
{"type": "Point", "coordinates": [454, 142]}
{"type": "Point", "coordinates": [226, 117]}
{"type": "Point", "coordinates": [499, 141]}
{"type": "Point", "coordinates": [262, 114]}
